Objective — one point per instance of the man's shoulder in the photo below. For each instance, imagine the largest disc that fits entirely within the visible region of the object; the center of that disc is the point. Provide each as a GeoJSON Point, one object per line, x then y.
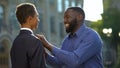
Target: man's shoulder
{"type": "Point", "coordinates": [27, 38]}
{"type": "Point", "coordinates": [27, 41]}
{"type": "Point", "coordinates": [91, 31]}
{"type": "Point", "coordinates": [93, 35]}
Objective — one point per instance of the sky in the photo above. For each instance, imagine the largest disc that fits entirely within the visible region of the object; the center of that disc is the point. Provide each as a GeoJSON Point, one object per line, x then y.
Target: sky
{"type": "Point", "coordinates": [93, 9]}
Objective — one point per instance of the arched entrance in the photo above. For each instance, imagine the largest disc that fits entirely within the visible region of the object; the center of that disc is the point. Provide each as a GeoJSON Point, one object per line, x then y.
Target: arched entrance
{"type": "Point", "coordinates": [4, 52]}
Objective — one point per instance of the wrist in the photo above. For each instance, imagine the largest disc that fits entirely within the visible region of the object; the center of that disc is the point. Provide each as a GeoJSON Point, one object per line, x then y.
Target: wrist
{"type": "Point", "coordinates": [50, 47]}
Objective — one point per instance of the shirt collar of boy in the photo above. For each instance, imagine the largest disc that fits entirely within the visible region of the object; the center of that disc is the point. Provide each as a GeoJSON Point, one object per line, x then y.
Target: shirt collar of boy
{"type": "Point", "coordinates": [27, 29]}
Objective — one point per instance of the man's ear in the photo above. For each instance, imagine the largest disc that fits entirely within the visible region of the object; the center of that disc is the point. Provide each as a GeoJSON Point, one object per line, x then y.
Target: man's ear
{"type": "Point", "coordinates": [79, 17]}
{"type": "Point", "coordinates": [28, 20]}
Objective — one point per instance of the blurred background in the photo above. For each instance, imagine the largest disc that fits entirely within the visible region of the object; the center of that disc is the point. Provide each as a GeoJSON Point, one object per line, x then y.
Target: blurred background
{"type": "Point", "coordinates": [101, 15]}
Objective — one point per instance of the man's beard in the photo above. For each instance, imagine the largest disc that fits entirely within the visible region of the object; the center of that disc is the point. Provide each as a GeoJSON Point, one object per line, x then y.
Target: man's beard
{"type": "Point", "coordinates": [72, 26]}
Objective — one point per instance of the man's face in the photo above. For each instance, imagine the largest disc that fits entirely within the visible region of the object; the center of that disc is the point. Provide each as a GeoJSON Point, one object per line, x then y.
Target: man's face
{"type": "Point", "coordinates": [70, 20]}
{"type": "Point", "coordinates": [35, 20]}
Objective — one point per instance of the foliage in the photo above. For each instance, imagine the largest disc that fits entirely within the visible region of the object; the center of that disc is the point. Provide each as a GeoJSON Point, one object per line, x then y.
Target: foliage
{"type": "Point", "coordinates": [111, 19]}
{"type": "Point", "coordinates": [97, 26]}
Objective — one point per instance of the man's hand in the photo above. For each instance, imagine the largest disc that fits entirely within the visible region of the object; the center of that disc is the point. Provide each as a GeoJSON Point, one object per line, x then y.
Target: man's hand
{"type": "Point", "coordinates": [43, 39]}
{"type": "Point", "coordinates": [46, 44]}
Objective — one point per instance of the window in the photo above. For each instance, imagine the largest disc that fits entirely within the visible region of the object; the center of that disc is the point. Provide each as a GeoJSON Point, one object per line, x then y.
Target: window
{"type": "Point", "coordinates": [2, 49]}
{"type": "Point", "coordinates": [1, 11]}
{"type": "Point", "coordinates": [13, 21]}
{"type": "Point", "coordinates": [52, 23]}
{"type": "Point", "coordinates": [40, 27]}
{"type": "Point", "coordinates": [1, 16]}
{"type": "Point", "coordinates": [79, 5]}
{"type": "Point", "coordinates": [73, 3]}
{"type": "Point", "coordinates": [66, 4]}
{"type": "Point", "coordinates": [51, 2]}
{"type": "Point", "coordinates": [62, 33]}
{"type": "Point", "coordinates": [59, 5]}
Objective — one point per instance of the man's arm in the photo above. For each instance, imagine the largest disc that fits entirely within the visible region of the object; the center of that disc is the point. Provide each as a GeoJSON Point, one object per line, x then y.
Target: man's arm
{"type": "Point", "coordinates": [88, 48]}
{"type": "Point", "coordinates": [78, 56]}
{"type": "Point", "coordinates": [51, 60]}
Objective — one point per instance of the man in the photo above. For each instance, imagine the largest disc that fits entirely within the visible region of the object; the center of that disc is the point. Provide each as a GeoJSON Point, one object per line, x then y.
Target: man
{"type": "Point", "coordinates": [27, 50]}
{"type": "Point", "coordinates": [81, 48]}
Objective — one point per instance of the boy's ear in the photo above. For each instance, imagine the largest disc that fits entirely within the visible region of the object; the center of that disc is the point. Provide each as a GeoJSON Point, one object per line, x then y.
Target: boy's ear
{"type": "Point", "coordinates": [29, 17]}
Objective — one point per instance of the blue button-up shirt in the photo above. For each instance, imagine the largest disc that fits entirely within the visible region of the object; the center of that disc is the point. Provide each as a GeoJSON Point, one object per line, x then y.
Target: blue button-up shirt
{"type": "Point", "coordinates": [79, 50]}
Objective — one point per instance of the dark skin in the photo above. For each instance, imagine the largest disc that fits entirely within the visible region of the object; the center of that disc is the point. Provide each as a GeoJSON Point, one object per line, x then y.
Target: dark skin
{"type": "Point", "coordinates": [31, 22]}
{"type": "Point", "coordinates": [72, 21]}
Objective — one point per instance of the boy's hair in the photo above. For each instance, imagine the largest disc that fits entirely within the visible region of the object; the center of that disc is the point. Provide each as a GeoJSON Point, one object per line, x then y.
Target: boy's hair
{"type": "Point", "coordinates": [24, 10]}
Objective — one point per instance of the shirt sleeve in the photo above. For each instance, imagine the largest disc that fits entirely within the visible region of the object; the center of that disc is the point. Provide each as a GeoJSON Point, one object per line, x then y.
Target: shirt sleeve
{"type": "Point", "coordinates": [53, 61]}
{"type": "Point", "coordinates": [36, 56]}
{"type": "Point", "coordinates": [88, 48]}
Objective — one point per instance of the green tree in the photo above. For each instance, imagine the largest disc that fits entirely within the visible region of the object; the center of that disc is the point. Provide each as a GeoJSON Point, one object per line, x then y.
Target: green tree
{"type": "Point", "coordinates": [111, 19]}
{"type": "Point", "coordinates": [97, 25]}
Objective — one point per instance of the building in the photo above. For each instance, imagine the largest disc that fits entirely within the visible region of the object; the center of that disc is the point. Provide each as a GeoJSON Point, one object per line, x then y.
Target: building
{"type": "Point", "coordinates": [51, 23]}
{"type": "Point", "coordinates": [111, 4]}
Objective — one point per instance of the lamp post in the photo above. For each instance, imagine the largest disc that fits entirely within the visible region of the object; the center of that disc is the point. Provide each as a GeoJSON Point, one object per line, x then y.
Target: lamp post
{"type": "Point", "coordinates": [108, 52]}
{"type": "Point", "coordinates": [107, 31]}
{"type": "Point", "coordinates": [119, 34]}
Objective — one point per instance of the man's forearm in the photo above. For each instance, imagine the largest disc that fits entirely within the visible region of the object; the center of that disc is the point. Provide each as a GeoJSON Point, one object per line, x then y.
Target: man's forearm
{"type": "Point", "coordinates": [49, 46]}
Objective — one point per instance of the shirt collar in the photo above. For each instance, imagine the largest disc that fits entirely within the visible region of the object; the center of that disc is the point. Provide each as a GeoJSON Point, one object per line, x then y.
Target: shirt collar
{"type": "Point", "coordinates": [27, 29]}
{"type": "Point", "coordinates": [78, 32]}
{"type": "Point", "coordinates": [81, 29]}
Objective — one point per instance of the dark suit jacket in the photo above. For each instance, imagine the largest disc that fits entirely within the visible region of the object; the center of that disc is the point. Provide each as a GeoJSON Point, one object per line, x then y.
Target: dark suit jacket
{"type": "Point", "coordinates": [27, 51]}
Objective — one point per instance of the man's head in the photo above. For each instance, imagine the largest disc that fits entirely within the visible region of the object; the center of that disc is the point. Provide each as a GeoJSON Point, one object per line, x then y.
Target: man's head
{"type": "Point", "coordinates": [27, 15]}
{"type": "Point", "coordinates": [73, 18]}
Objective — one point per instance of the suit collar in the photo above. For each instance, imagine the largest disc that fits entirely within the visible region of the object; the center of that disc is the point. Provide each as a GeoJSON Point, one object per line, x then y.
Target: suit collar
{"type": "Point", "coordinates": [28, 29]}
{"type": "Point", "coordinates": [25, 32]}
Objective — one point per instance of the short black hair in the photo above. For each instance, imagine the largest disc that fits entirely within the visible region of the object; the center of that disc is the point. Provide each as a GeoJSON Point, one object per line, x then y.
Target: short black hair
{"type": "Point", "coordinates": [78, 10]}
{"type": "Point", "coordinates": [24, 10]}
